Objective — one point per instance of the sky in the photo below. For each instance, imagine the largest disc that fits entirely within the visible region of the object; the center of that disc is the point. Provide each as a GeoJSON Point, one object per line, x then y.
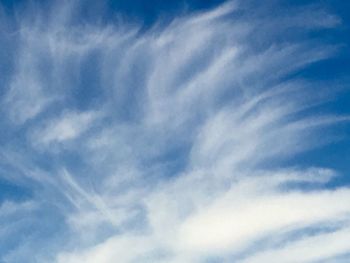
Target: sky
{"type": "Point", "coordinates": [185, 131]}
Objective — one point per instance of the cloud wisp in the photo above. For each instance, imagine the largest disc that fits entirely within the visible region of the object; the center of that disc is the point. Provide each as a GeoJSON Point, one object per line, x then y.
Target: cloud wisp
{"type": "Point", "coordinates": [169, 144]}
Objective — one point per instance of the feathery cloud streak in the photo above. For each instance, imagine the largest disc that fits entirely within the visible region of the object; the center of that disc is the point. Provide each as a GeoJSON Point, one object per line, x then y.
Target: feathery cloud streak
{"type": "Point", "coordinates": [169, 145]}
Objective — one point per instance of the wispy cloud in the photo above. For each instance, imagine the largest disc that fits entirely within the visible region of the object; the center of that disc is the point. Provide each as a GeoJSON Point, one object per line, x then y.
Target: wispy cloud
{"type": "Point", "coordinates": [170, 144]}
{"type": "Point", "coordinates": [67, 127]}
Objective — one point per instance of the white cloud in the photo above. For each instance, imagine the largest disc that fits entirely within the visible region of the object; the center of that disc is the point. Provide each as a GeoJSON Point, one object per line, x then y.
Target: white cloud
{"type": "Point", "coordinates": [25, 97]}
{"type": "Point", "coordinates": [176, 161]}
{"type": "Point", "coordinates": [67, 127]}
{"type": "Point", "coordinates": [315, 248]}
{"type": "Point", "coordinates": [234, 224]}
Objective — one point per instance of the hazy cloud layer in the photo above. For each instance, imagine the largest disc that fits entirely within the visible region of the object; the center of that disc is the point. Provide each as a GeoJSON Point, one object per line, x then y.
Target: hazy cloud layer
{"type": "Point", "coordinates": [168, 144]}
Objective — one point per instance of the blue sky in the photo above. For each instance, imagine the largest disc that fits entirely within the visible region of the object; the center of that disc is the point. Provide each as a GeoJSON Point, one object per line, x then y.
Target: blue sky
{"type": "Point", "coordinates": [174, 131]}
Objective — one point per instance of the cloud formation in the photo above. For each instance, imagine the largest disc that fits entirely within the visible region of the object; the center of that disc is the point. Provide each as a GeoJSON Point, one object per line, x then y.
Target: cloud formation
{"type": "Point", "coordinates": [169, 144]}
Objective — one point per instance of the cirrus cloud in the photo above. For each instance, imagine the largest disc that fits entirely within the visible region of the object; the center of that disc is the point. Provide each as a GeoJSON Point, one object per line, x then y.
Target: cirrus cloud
{"type": "Point", "coordinates": [170, 144]}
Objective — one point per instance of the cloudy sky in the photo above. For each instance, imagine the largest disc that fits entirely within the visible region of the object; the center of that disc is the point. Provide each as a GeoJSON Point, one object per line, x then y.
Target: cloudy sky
{"type": "Point", "coordinates": [179, 131]}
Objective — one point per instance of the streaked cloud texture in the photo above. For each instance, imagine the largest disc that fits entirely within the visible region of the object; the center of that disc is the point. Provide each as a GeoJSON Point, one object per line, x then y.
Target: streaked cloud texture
{"type": "Point", "coordinates": [178, 142]}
